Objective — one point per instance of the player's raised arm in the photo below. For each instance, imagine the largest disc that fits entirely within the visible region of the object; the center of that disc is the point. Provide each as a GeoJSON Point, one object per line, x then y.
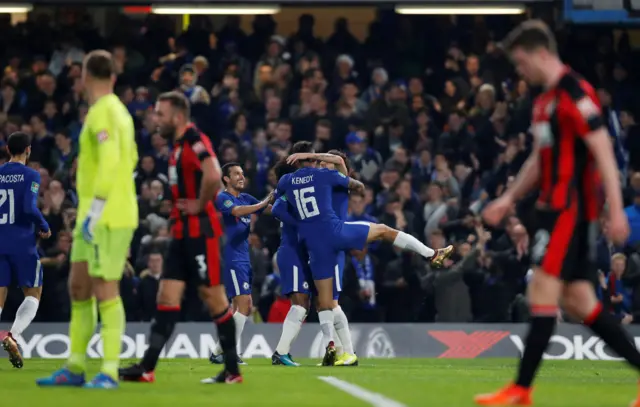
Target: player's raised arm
{"type": "Point", "coordinates": [356, 186]}
{"type": "Point", "coordinates": [324, 157]}
{"type": "Point", "coordinates": [30, 203]}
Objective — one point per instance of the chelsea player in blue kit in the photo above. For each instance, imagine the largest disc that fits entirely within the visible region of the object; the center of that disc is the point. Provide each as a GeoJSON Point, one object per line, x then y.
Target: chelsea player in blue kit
{"type": "Point", "coordinates": [293, 264]}
{"type": "Point", "coordinates": [236, 208]}
{"type": "Point", "coordinates": [309, 191]}
{"type": "Point", "coordinates": [20, 221]}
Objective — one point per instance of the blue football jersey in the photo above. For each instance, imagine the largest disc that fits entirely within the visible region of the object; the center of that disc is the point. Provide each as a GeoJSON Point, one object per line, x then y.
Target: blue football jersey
{"type": "Point", "coordinates": [20, 217]}
{"type": "Point", "coordinates": [236, 229]}
{"type": "Point", "coordinates": [309, 192]}
{"type": "Point", "coordinates": [340, 200]}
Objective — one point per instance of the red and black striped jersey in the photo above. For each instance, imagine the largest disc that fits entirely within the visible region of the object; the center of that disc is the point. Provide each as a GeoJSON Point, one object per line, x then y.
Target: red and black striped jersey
{"type": "Point", "coordinates": [562, 118]}
{"type": "Point", "coordinates": [185, 177]}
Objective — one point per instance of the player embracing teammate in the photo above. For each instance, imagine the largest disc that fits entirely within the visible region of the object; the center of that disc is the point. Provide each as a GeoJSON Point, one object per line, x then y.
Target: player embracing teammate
{"type": "Point", "coordinates": [305, 198]}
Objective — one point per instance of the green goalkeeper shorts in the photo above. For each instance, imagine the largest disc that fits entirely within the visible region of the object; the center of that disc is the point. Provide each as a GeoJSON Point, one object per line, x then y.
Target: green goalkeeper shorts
{"type": "Point", "coordinates": [106, 255]}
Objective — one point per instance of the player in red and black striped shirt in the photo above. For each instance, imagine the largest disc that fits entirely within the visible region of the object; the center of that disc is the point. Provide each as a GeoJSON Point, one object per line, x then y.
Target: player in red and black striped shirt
{"type": "Point", "coordinates": [572, 154]}
{"type": "Point", "coordinates": [194, 252]}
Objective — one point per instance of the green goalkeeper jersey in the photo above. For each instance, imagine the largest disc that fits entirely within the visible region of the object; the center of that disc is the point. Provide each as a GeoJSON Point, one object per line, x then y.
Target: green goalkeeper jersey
{"type": "Point", "coordinates": [106, 162]}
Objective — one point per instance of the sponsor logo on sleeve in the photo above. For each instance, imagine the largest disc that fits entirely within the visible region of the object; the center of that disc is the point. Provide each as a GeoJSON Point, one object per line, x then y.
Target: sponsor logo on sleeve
{"type": "Point", "coordinates": [228, 203]}
{"type": "Point", "coordinates": [587, 107]}
{"type": "Point", "coordinates": [199, 147]}
{"type": "Point", "coordinates": [102, 136]}
{"type": "Point", "coordinates": [35, 187]}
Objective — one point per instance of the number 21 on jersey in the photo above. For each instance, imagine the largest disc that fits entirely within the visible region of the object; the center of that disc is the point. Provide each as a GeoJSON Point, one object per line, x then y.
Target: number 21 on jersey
{"type": "Point", "coordinates": [304, 200]}
{"type": "Point", "coordinates": [7, 210]}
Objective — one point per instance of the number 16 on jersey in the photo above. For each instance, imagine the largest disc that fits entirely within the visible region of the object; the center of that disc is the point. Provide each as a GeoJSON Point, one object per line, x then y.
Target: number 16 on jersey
{"type": "Point", "coordinates": [304, 199]}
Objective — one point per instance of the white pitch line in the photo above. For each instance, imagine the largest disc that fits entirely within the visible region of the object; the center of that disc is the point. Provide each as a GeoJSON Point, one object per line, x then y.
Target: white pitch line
{"type": "Point", "coordinates": [375, 399]}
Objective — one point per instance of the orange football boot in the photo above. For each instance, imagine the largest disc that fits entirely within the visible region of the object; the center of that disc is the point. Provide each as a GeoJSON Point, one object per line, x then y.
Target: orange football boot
{"type": "Point", "coordinates": [636, 402]}
{"type": "Point", "coordinates": [511, 395]}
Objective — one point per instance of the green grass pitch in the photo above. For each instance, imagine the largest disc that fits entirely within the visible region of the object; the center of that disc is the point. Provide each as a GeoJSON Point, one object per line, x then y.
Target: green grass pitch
{"type": "Point", "coordinates": [412, 382]}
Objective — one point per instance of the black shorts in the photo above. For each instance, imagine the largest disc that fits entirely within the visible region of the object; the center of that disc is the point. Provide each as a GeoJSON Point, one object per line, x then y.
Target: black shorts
{"type": "Point", "coordinates": [563, 245]}
{"type": "Point", "coordinates": [194, 260]}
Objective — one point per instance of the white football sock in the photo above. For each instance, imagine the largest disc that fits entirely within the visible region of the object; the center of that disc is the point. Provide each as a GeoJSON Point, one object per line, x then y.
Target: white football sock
{"type": "Point", "coordinates": [407, 242]}
{"type": "Point", "coordinates": [326, 324]}
{"type": "Point", "coordinates": [25, 315]}
{"type": "Point", "coordinates": [336, 339]}
{"type": "Point", "coordinates": [0, 311]}
{"type": "Point", "coordinates": [240, 320]}
{"type": "Point", "coordinates": [290, 328]}
{"type": "Point", "coordinates": [342, 329]}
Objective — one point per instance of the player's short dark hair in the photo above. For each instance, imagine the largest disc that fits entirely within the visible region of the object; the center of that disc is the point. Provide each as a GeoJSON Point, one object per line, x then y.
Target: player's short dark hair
{"type": "Point", "coordinates": [344, 157]}
{"type": "Point", "coordinates": [282, 168]}
{"type": "Point", "coordinates": [18, 143]}
{"type": "Point", "coordinates": [302, 147]}
{"type": "Point", "coordinates": [99, 64]}
{"type": "Point", "coordinates": [178, 101]}
{"type": "Point", "coordinates": [226, 169]}
{"type": "Point", "coordinates": [531, 35]}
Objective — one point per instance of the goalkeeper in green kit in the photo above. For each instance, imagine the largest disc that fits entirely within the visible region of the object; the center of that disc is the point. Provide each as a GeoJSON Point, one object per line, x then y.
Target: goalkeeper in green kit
{"type": "Point", "coordinates": [107, 218]}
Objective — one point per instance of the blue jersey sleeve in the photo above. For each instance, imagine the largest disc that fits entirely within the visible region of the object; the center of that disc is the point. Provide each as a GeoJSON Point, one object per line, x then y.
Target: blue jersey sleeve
{"type": "Point", "coordinates": [30, 201]}
{"type": "Point", "coordinates": [280, 210]}
{"type": "Point", "coordinates": [336, 179]}
{"type": "Point", "coordinates": [225, 203]}
{"type": "Point", "coordinates": [281, 189]}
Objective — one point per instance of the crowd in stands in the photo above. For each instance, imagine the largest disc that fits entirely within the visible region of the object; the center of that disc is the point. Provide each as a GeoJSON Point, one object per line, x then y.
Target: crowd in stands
{"type": "Point", "coordinates": [433, 119]}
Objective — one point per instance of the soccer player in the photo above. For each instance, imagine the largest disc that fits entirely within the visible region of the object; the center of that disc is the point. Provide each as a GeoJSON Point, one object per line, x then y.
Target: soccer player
{"type": "Point", "coordinates": [345, 355]}
{"type": "Point", "coordinates": [194, 252]}
{"type": "Point", "coordinates": [236, 208]}
{"type": "Point", "coordinates": [309, 192]}
{"type": "Point", "coordinates": [571, 152]}
{"type": "Point", "coordinates": [19, 260]}
{"type": "Point", "coordinates": [107, 218]}
{"type": "Point", "coordinates": [293, 265]}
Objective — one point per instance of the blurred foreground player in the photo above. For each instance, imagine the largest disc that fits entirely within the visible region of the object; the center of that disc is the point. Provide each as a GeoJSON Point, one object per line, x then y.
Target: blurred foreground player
{"type": "Point", "coordinates": [194, 252]}
{"type": "Point", "coordinates": [108, 216]}
{"type": "Point", "coordinates": [19, 261]}
{"type": "Point", "coordinates": [236, 208]}
{"type": "Point", "coordinates": [570, 143]}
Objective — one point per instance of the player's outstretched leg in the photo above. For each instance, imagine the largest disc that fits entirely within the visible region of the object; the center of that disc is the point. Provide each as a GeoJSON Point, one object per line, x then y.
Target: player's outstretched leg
{"type": "Point", "coordinates": [543, 294]}
{"type": "Point", "coordinates": [84, 318]}
{"type": "Point", "coordinates": [290, 329]}
{"type": "Point", "coordinates": [405, 241]}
